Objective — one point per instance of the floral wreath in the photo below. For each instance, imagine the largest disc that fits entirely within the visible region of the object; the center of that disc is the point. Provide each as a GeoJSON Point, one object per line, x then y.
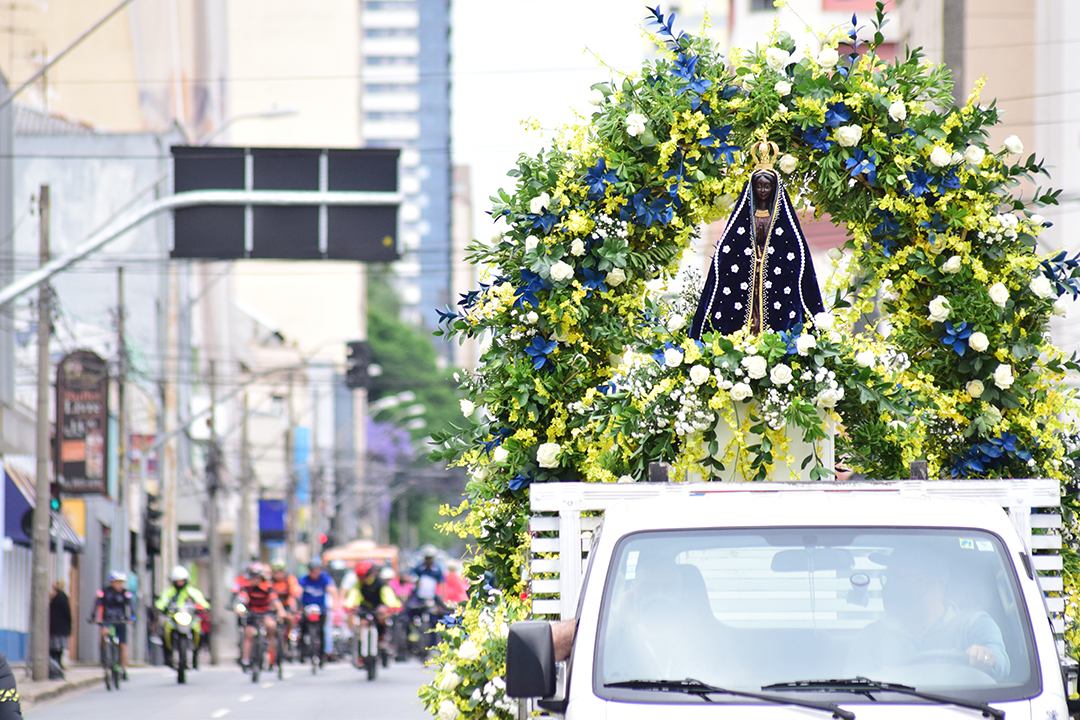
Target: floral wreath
{"type": "Point", "coordinates": [935, 346]}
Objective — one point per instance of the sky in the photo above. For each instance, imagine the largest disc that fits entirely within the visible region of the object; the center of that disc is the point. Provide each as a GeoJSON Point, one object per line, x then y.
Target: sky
{"type": "Point", "coordinates": [517, 59]}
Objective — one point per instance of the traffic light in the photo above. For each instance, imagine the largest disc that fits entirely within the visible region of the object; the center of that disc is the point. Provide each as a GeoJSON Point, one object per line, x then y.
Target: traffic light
{"type": "Point", "coordinates": [152, 525]}
{"type": "Point", "coordinates": [356, 364]}
{"type": "Point", "coordinates": [54, 496]}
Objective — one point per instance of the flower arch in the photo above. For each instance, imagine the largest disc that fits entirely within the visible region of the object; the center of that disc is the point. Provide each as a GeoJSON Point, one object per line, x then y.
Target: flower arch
{"type": "Point", "coordinates": [935, 348]}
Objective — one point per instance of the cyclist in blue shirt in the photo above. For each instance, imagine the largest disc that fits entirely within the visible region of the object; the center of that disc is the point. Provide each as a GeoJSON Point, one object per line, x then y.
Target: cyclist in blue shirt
{"type": "Point", "coordinates": [315, 588]}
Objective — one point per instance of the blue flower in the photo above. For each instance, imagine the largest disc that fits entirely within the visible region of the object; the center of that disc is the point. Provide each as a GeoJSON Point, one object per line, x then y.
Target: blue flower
{"type": "Point", "coordinates": [818, 138]}
{"type": "Point", "coordinates": [988, 455]}
{"type": "Point", "coordinates": [446, 316]}
{"type": "Point", "coordinates": [598, 178]}
{"type": "Point", "coordinates": [539, 349]}
{"type": "Point", "coordinates": [721, 149]}
{"type": "Point", "coordinates": [861, 163]}
{"type": "Point", "coordinates": [645, 210]}
{"type": "Point", "coordinates": [499, 436]}
{"type": "Point", "coordinates": [544, 221]}
{"type": "Point", "coordinates": [526, 293]}
{"type": "Point", "coordinates": [1060, 270]}
{"type": "Point", "coordinates": [920, 182]}
{"type": "Point", "coordinates": [520, 481]}
{"type": "Point", "coordinates": [956, 336]}
{"type": "Point", "coordinates": [664, 29]}
{"type": "Point", "coordinates": [790, 337]}
{"type": "Point", "coordinates": [594, 280]}
{"type": "Point", "coordinates": [729, 92]}
{"type": "Point", "coordinates": [837, 114]}
{"type": "Point", "coordinates": [949, 180]}
{"type": "Point", "coordinates": [685, 67]}
{"type": "Point", "coordinates": [886, 230]}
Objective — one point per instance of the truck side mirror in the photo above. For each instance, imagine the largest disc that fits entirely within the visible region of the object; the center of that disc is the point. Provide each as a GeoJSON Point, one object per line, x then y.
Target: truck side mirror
{"type": "Point", "coordinates": [530, 660]}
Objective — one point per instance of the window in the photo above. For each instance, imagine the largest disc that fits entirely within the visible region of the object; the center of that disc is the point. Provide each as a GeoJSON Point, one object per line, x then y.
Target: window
{"type": "Point", "coordinates": [389, 116]}
{"type": "Point", "coordinates": [390, 4]}
{"type": "Point", "coordinates": [391, 60]}
{"type": "Point", "coordinates": [381, 32]}
{"type": "Point", "coordinates": [744, 609]}
{"type": "Point", "coordinates": [390, 88]}
{"type": "Point", "coordinates": [760, 5]}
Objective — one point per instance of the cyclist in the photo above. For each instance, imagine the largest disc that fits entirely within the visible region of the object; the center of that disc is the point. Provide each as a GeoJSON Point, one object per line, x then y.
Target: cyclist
{"type": "Point", "coordinates": [262, 605]}
{"type": "Point", "coordinates": [288, 592]}
{"type": "Point", "coordinates": [429, 576]}
{"type": "Point", "coordinates": [316, 588]}
{"type": "Point", "coordinates": [179, 592]}
{"type": "Point", "coordinates": [115, 604]}
{"type": "Point", "coordinates": [372, 593]}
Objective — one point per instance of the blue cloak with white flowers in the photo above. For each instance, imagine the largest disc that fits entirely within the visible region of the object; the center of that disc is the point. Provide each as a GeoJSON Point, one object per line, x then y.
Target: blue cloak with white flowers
{"type": "Point", "coordinates": [789, 288]}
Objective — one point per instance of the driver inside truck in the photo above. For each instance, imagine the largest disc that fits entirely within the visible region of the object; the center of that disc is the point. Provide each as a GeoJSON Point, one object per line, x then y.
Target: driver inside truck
{"type": "Point", "coordinates": [922, 625]}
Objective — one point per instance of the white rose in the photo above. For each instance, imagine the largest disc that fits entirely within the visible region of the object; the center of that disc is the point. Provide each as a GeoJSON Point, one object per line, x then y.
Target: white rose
{"type": "Point", "coordinates": [676, 322]}
{"type": "Point", "coordinates": [999, 294]}
{"type": "Point", "coordinates": [615, 278]}
{"type": "Point", "coordinates": [828, 58]}
{"type": "Point", "coordinates": [1060, 307]}
{"type": "Point", "coordinates": [787, 163]}
{"type": "Point", "coordinates": [782, 87]}
{"type": "Point", "coordinates": [866, 358]}
{"type": "Point", "coordinates": [500, 454]}
{"type": "Point", "coordinates": [939, 309]}
{"type": "Point", "coordinates": [940, 157]}
{"type": "Point", "coordinates": [467, 407]}
{"type": "Point", "coordinates": [577, 248]}
{"type": "Point", "coordinates": [561, 271]}
{"type": "Point", "coordinates": [828, 397]}
{"type": "Point", "coordinates": [626, 479]}
{"type": "Point", "coordinates": [974, 154]}
{"type": "Point", "coordinates": [835, 254]}
{"type": "Point", "coordinates": [848, 135]}
{"type": "Point", "coordinates": [956, 158]}
{"type": "Point", "coordinates": [884, 328]}
{"type": "Point", "coordinates": [635, 124]}
{"type": "Point", "coordinates": [532, 317]}
{"type": "Point", "coordinates": [1042, 287]}
{"type": "Point", "coordinates": [978, 341]}
{"type": "Point", "coordinates": [952, 265]}
{"type": "Point", "coordinates": [756, 366]}
{"type": "Point", "coordinates": [673, 357]}
{"type": "Point", "coordinates": [898, 111]}
{"type": "Point", "coordinates": [547, 455]}
{"type": "Point", "coordinates": [805, 343]}
{"type": "Point", "coordinates": [538, 203]}
{"type": "Point", "coordinates": [596, 97]}
{"type": "Point", "coordinates": [1013, 145]}
{"type": "Point", "coordinates": [496, 237]}
{"type": "Point", "coordinates": [741, 391]}
{"type": "Point", "coordinates": [448, 710]}
{"type": "Point", "coordinates": [449, 681]}
{"type": "Point", "coordinates": [776, 58]}
{"type": "Point", "coordinates": [780, 374]}
{"type": "Point", "coordinates": [1036, 220]}
{"type": "Point", "coordinates": [824, 321]}
{"type": "Point", "coordinates": [1003, 376]}
{"type": "Point", "coordinates": [974, 388]}
{"type": "Point", "coordinates": [531, 243]}
{"type": "Point", "coordinates": [469, 651]}
{"type": "Point", "coordinates": [885, 290]}
{"type": "Point", "coordinates": [699, 374]}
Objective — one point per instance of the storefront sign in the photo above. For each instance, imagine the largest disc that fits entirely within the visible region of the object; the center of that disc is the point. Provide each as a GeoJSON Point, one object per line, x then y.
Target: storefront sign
{"type": "Point", "coordinates": [82, 407]}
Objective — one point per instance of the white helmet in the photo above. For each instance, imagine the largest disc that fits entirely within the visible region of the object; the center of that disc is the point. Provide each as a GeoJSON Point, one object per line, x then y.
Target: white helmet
{"type": "Point", "coordinates": [179, 573]}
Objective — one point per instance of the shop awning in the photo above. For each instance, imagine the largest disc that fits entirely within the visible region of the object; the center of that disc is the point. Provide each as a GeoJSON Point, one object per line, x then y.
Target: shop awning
{"type": "Point", "coordinates": [19, 489]}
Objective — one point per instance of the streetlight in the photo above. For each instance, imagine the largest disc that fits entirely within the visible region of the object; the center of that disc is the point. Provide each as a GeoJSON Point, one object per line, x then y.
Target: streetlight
{"type": "Point", "coordinates": [269, 114]}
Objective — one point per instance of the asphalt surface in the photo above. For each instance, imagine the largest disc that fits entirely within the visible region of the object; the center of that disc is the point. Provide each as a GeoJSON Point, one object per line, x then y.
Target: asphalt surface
{"type": "Point", "coordinates": [213, 693]}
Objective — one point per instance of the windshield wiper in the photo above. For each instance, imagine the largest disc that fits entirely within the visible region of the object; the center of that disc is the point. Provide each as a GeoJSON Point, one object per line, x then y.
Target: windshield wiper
{"type": "Point", "coordinates": [865, 686]}
{"type": "Point", "coordinates": [696, 687]}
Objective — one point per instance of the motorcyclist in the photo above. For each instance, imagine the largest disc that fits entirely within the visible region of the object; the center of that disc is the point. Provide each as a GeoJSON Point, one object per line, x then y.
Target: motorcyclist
{"type": "Point", "coordinates": [115, 604]}
{"type": "Point", "coordinates": [261, 604]}
{"type": "Point", "coordinates": [371, 593]}
{"type": "Point", "coordinates": [179, 592]}
{"type": "Point", "coordinates": [428, 576]}
{"type": "Point", "coordinates": [288, 592]}
{"type": "Point", "coordinates": [317, 588]}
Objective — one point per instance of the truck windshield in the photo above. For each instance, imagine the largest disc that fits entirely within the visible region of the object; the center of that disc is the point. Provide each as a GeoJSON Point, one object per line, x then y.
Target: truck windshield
{"type": "Point", "coordinates": [936, 610]}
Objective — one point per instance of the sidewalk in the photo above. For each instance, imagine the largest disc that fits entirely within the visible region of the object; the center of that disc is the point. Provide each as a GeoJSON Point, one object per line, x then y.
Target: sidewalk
{"type": "Point", "coordinates": [77, 677]}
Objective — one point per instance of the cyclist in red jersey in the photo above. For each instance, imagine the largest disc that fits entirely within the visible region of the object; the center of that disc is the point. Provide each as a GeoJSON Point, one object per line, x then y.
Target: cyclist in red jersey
{"type": "Point", "coordinates": [262, 605]}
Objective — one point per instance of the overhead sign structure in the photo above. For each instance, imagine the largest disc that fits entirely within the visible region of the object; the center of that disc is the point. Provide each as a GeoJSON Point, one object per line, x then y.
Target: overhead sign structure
{"type": "Point", "coordinates": [82, 428]}
{"type": "Point", "coordinates": [301, 204]}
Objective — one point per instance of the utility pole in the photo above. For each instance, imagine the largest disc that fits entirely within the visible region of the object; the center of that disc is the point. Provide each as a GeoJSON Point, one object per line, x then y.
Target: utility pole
{"type": "Point", "coordinates": [291, 519]}
{"type": "Point", "coordinates": [362, 526]}
{"type": "Point", "coordinates": [39, 614]}
{"type": "Point", "coordinates": [247, 531]}
{"type": "Point", "coordinates": [315, 462]}
{"type": "Point", "coordinates": [213, 475]}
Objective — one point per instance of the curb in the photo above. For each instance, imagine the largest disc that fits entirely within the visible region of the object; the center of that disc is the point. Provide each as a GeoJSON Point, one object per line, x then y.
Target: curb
{"type": "Point", "coordinates": [53, 693]}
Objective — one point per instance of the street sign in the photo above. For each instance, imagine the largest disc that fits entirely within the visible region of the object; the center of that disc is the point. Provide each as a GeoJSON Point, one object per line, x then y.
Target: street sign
{"type": "Point", "coordinates": [82, 393]}
{"type": "Point", "coordinates": [292, 230]}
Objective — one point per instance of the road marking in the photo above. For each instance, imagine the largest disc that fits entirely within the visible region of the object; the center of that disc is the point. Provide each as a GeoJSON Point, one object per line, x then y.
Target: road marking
{"type": "Point", "coordinates": [219, 713]}
{"type": "Point", "coordinates": [247, 698]}
{"type": "Point", "coordinates": [267, 685]}
{"type": "Point", "coordinates": [288, 675]}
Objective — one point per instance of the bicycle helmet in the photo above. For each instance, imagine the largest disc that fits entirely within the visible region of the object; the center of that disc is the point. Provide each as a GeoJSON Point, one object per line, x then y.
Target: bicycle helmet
{"type": "Point", "coordinates": [429, 551]}
{"type": "Point", "coordinates": [255, 570]}
{"type": "Point", "coordinates": [363, 567]}
{"type": "Point", "coordinates": [315, 562]}
{"type": "Point", "coordinates": [117, 575]}
{"type": "Point", "coordinates": [277, 566]}
{"type": "Point", "coordinates": [179, 573]}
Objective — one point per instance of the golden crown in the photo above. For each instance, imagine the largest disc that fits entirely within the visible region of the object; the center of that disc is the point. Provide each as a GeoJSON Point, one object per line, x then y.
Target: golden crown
{"type": "Point", "coordinates": [764, 154]}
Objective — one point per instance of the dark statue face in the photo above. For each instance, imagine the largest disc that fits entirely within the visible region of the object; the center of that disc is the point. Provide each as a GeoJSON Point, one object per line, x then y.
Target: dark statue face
{"type": "Point", "coordinates": [763, 188]}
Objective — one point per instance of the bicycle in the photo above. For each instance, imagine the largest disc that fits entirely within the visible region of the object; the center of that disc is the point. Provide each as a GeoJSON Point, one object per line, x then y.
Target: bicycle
{"type": "Point", "coordinates": [311, 636]}
{"type": "Point", "coordinates": [110, 656]}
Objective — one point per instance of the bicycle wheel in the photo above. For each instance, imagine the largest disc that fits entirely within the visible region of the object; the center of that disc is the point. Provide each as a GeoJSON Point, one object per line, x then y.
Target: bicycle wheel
{"type": "Point", "coordinates": [256, 656]}
{"type": "Point", "coordinates": [316, 649]}
{"type": "Point", "coordinates": [279, 652]}
{"type": "Point", "coordinates": [106, 662]}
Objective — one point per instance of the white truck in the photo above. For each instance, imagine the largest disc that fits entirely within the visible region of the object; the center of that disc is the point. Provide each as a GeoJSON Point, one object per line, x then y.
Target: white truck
{"type": "Point", "coordinates": [900, 599]}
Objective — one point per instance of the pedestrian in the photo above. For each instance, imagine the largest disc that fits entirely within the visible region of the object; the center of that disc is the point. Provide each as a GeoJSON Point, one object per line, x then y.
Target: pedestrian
{"type": "Point", "coordinates": [10, 709]}
{"type": "Point", "coordinates": [59, 622]}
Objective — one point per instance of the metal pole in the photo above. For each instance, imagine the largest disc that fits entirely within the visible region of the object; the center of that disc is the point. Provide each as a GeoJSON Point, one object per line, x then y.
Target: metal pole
{"type": "Point", "coordinates": [291, 519]}
{"type": "Point", "coordinates": [212, 478]}
{"type": "Point", "coordinates": [247, 532]}
{"type": "Point", "coordinates": [363, 525]}
{"type": "Point", "coordinates": [40, 578]}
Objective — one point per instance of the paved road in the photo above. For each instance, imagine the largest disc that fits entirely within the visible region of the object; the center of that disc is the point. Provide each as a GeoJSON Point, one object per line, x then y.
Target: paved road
{"type": "Point", "coordinates": [225, 692]}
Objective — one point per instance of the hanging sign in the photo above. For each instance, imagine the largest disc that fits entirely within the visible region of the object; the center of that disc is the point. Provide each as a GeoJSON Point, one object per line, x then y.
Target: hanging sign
{"type": "Point", "coordinates": [82, 407]}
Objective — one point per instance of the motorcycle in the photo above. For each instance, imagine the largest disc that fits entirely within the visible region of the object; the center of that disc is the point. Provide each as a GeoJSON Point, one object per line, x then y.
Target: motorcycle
{"type": "Point", "coordinates": [180, 621]}
{"type": "Point", "coordinates": [311, 636]}
{"type": "Point", "coordinates": [367, 641]}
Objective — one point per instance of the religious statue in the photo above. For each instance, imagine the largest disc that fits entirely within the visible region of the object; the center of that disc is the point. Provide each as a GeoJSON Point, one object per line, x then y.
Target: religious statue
{"type": "Point", "coordinates": [761, 276]}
